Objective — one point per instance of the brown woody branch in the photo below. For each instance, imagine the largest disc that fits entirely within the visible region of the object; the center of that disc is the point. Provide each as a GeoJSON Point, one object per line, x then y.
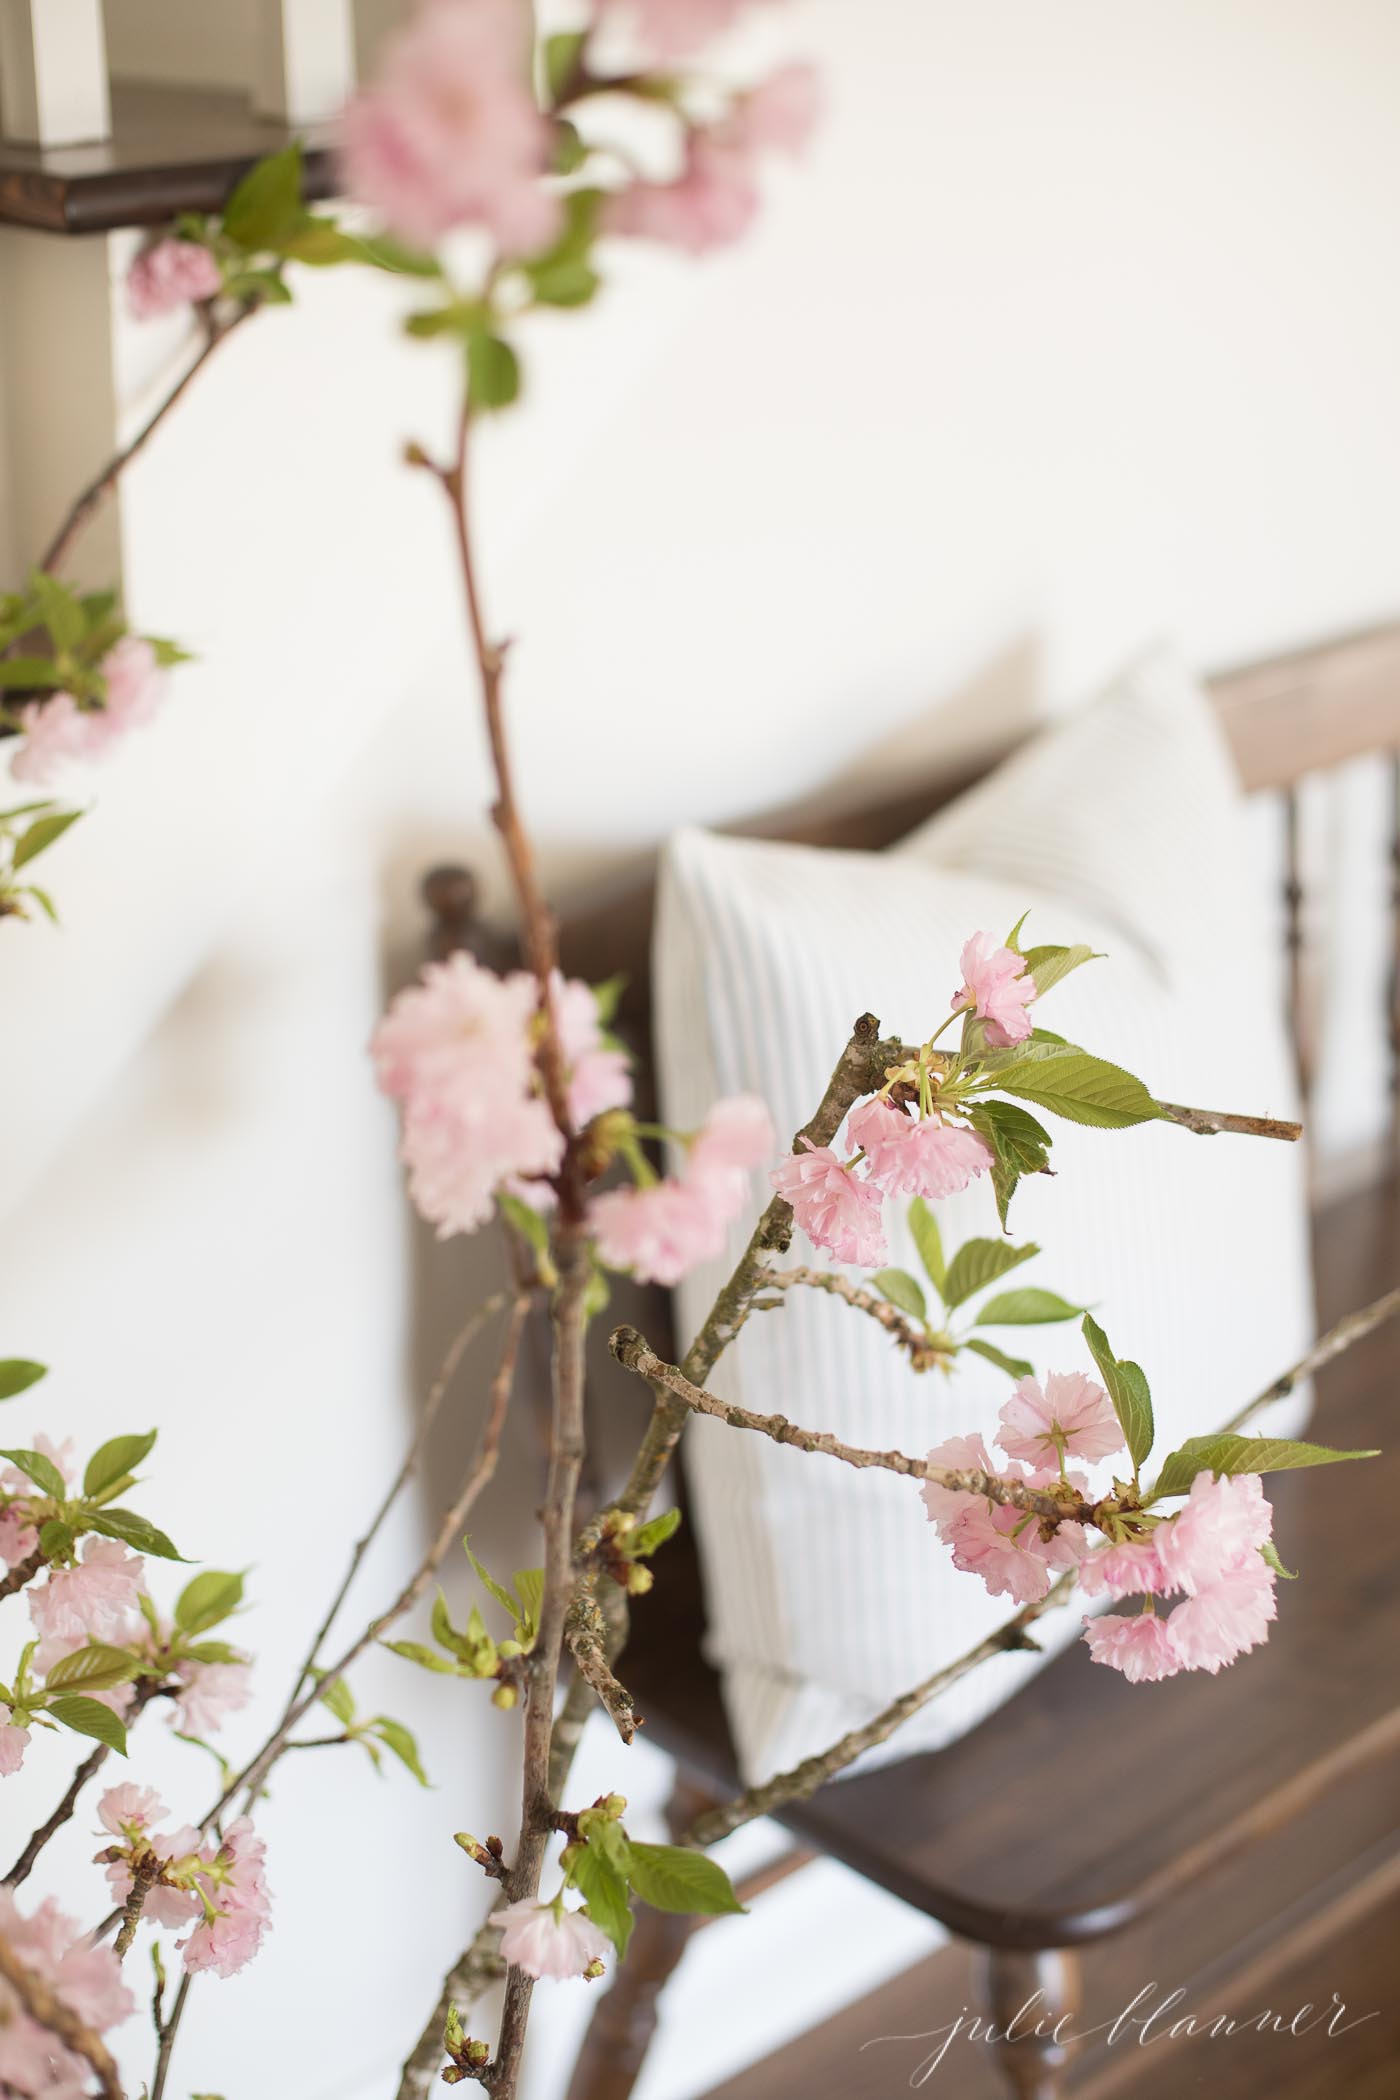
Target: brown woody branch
{"type": "Point", "coordinates": [22, 1572]}
{"type": "Point", "coordinates": [87, 1770]}
{"type": "Point", "coordinates": [586, 1633]}
{"type": "Point", "coordinates": [635, 1354]}
{"type": "Point", "coordinates": [1210, 1122]}
{"type": "Point", "coordinates": [925, 1353]}
{"type": "Point", "coordinates": [48, 2010]}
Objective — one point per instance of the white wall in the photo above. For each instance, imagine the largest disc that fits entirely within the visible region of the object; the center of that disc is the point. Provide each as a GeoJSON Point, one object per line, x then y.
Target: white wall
{"type": "Point", "coordinates": [1081, 325]}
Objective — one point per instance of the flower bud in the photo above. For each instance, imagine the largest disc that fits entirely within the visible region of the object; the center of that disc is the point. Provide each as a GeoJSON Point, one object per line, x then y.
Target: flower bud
{"type": "Point", "coordinates": [478, 2052]}
{"type": "Point", "coordinates": [639, 1580]}
{"type": "Point", "coordinates": [594, 1970]}
{"type": "Point", "coordinates": [505, 1696]}
{"type": "Point", "coordinates": [613, 1806]}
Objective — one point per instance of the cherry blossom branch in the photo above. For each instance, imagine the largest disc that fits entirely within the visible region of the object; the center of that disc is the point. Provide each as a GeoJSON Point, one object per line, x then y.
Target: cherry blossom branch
{"type": "Point", "coordinates": [23, 1571]}
{"type": "Point", "coordinates": [437, 1393]}
{"type": "Point", "coordinates": [635, 1354]}
{"type": "Point", "coordinates": [87, 1770]}
{"type": "Point", "coordinates": [48, 2010]}
{"type": "Point", "coordinates": [924, 1353]}
{"type": "Point", "coordinates": [586, 1633]}
{"type": "Point", "coordinates": [101, 486]}
{"type": "Point", "coordinates": [1339, 1338]}
{"type": "Point", "coordinates": [1209, 1122]}
{"type": "Point", "coordinates": [166, 2031]}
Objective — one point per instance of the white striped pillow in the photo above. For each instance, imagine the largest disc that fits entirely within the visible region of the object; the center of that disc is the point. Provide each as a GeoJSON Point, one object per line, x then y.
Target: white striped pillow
{"type": "Point", "coordinates": [828, 1593]}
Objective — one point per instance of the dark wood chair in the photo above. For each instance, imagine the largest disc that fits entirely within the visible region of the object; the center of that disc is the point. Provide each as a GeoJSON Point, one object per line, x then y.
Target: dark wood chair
{"type": "Point", "coordinates": [1025, 1844]}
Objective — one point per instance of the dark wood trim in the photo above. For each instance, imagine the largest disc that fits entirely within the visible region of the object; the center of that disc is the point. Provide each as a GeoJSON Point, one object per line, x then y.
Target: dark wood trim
{"type": "Point", "coordinates": [172, 150]}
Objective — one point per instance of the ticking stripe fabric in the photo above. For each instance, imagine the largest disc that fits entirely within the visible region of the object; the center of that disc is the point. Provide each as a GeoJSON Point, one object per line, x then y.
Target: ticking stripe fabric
{"type": "Point", "coordinates": [828, 1592]}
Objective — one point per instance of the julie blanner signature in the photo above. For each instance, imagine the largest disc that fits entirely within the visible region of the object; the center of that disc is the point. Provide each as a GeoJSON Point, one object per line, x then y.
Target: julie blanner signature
{"type": "Point", "coordinates": [1152, 2016]}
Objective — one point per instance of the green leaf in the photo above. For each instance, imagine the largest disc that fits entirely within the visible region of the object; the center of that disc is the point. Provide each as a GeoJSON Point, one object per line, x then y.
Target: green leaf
{"type": "Point", "coordinates": [1014, 1366]}
{"type": "Point", "coordinates": [41, 835]}
{"type": "Point", "coordinates": [1072, 1084]}
{"type": "Point", "coordinates": [321, 244]}
{"type": "Point", "coordinates": [267, 286]}
{"type": "Point", "coordinates": [531, 1224]}
{"type": "Point", "coordinates": [1026, 1308]}
{"type": "Point", "coordinates": [383, 253]}
{"type": "Point", "coordinates": [42, 899]}
{"type": "Point", "coordinates": [980, 1262]}
{"type": "Point", "coordinates": [1021, 1146]}
{"type": "Point", "coordinates": [1048, 965]}
{"type": "Point", "coordinates": [21, 673]}
{"type": "Point", "coordinates": [529, 1585]}
{"type": "Point", "coordinates": [1243, 1454]}
{"type": "Point", "coordinates": [17, 1374]}
{"type": "Point", "coordinates": [214, 1652]}
{"type": "Point", "coordinates": [497, 1589]}
{"type": "Point", "coordinates": [605, 1893]}
{"type": "Point", "coordinates": [56, 1539]}
{"type": "Point", "coordinates": [900, 1288]}
{"type": "Point", "coordinates": [96, 1668]}
{"type": "Point", "coordinates": [1270, 1554]}
{"type": "Point", "coordinates": [929, 1241]}
{"type": "Point", "coordinates": [134, 1531]}
{"type": "Point", "coordinates": [394, 1736]}
{"type": "Point", "coordinates": [676, 1878]}
{"type": "Point", "coordinates": [89, 1717]}
{"type": "Point", "coordinates": [596, 1293]}
{"type": "Point", "coordinates": [266, 210]}
{"type": "Point", "coordinates": [607, 997]}
{"type": "Point", "coordinates": [1127, 1389]}
{"type": "Point", "coordinates": [644, 1541]}
{"type": "Point", "coordinates": [426, 1658]}
{"type": "Point", "coordinates": [493, 372]}
{"type": "Point", "coordinates": [42, 1471]}
{"type": "Point", "coordinates": [566, 284]}
{"type": "Point", "coordinates": [115, 1460]}
{"type": "Point", "coordinates": [59, 609]}
{"type": "Point", "coordinates": [561, 56]}
{"type": "Point", "coordinates": [211, 1597]}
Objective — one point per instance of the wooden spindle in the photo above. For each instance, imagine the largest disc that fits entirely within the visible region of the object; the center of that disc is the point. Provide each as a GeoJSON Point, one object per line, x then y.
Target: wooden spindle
{"type": "Point", "coordinates": [1393, 983]}
{"type": "Point", "coordinates": [54, 89]}
{"type": "Point", "coordinates": [1300, 1013]}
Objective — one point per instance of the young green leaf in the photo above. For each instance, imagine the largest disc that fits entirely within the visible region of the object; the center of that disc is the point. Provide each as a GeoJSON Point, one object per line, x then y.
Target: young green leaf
{"type": "Point", "coordinates": [643, 1542]}
{"type": "Point", "coordinates": [531, 1224]}
{"type": "Point", "coordinates": [17, 1374]}
{"type": "Point", "coordinates": [95, 1668]}
{"type": "Point", "coordinates": [25, 673]}
{"type": "Point", "coordinates": [529, 1587]}
{"type": "Point", "coordinates": [1072, 1084]}
{"type": "Point", "coordinates": [1269, 1553]}
{"type": "Point", "coordinates": [113, 1461]}
{"type": "Point", "coordinates": [1048, 965]}
{"type": "Point", "coordinates": [134, 1531]}
{"type": "Point", "coordinates": [339, 1701]}
{"type": "Point", "coordinates": [980, 1262]}
{"type": "Point", "coordinates": [426, 1658]}
{"type": "Point", "coordinates": [676, 1878]}
{"type": "Point", "coordinates": [265, 209]}
{"type": "Point", "coordinates": [497, 1589]}
{"type": "Point", "coordinates": [1026, 1308]}
{"type": "Point", "coordinates": [1020, 1146]}
{"type": "Point", "coordinates": [42, 834]}
{"type": "Point", "coordinates": [89, 1717]}
{"type": "Point", "coordinates": [1014, 1366]}
{"type": "Point", "coordinates": [900, 1288]}
{"type": "Point", "coordinates": [42, 1471]}
{"type": "Point", "coordinates": [1243, 1454]}
{"type": "Point", "coordinates": [493, 371]}
{"type": "Point", "coordinates": [605, 1893]}
{"type": "Point", "coordinates": [394, 1736]}
{"type": "Point", "coordinates": [929, 1241]}
{"type": "Point", "coordinates": [1127, 1389]}
{"type": "Point", "coordinates": [56, 1539]}
{"type": "Point", "coordinates": [561, 55]}
{"type": "Point", "coordinates": [59, 610]}
{"type": "Point", "coordinates": [211, 1597]}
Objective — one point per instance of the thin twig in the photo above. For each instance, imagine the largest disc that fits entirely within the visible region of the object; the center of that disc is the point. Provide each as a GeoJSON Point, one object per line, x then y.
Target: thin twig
{"type": "Point", "coordinates": [437, 1392]}
{"type": "Point", "coordinates": [48, 2010]}
{"type": "Point", "coordinates": [1353, 1328]}
{"type": "Point", "coordinates": [924, 1350]}
{"type": "Point", "coordinates": [87, 1770]}
{"type": "Point", "coordinates": [101, 486]}
{"type": "Point", "coordinates": [1210, 1122]}
{"type": "Point", "coordinates": [587, 1635]}
{"type": "Point", "coordinates": [635, 1354]}
{"type": "Point", "coordinates": [23, 1571]}
{"type": "Point", "coordinates": [166, 2038]}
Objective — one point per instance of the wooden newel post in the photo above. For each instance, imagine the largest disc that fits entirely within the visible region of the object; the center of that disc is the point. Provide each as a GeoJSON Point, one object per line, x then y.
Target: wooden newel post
{"type": "Point", "coordinates": [305, 59]}
{"type": "Point", "coordinates": [53, 72]}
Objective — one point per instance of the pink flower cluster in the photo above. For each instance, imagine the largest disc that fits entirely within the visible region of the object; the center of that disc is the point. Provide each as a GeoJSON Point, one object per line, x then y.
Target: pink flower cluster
{"type": "Point", "coordinates": [58, 733]}
{"type": "Point", "coordinates": [170, 275]}
{"type": "Point", "coordinates": [661, 1232]}
{"type": "Point", "coordinates": [450, 134]}
{"type": "Point", "coordinates": [675, 28]}
{"type": "Point", "coordinates": [18, 1533]}
{"type": "Point", "coordinates": [1210, 1551]}
{"type": "Point", "coordinates": [998, 988]}
{"type": "Point", "coordinates": [220, 1881]}
{"type": "Point", "coordinates": [716, 196]}
{"type": "Point", "coordinates": [904, 1155]}
{"type": "Point", "coordinates": [458, 1052]}
{"type": "Point", "coordinates": [87, 1979]}
{"type": "Point", "coordinates": [545, 1939]}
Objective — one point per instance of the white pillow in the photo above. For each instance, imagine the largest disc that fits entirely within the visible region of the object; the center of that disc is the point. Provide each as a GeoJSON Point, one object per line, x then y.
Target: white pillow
{"type": "Point", "coordinates": [828, 1591]}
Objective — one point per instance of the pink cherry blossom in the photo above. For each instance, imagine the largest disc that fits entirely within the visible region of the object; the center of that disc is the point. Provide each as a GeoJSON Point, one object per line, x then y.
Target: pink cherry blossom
{"type": "Point", "coordinates": [675, 28]}
{"type": "Point", "coordinates": [232, 1879]}
{"type": "Point", "coordinates": [1227, 1617]}
{"type": "Point", "coordinates": [95, 1597]}
{"type": "Point", "coordinates": [711, 204]}
{"type": "Point", "coordinates": [34, 2064]}
{"type": "Point", "coordinates": [1068, 1416]}
{"type": "Point", "coordinates": [18, 1538]}
{"type": "Point", "coordinates": [959, 1454]}
{"type": "Point", "coordinates": [1129, 1569]}
{"type": "Point", "coordinates": [834, 1207]}
{"type": "Point", "coordinates": [659, 1233]}
{"type": "Point", "coordinates": [450, 133]}
{"type": "Point", "coordinates": [455, 1050]}
{"type": "Point", "coordinates": [14, 1741]}
{"type": "Point", "coordinates": [907, 1156]}
{"type": "Point", "coordinates": [208, 1694]}
{"type": "Point", "coordinates": [129, 1810]}
{"type": "Point", "coordinates": [1221, 1524]}
{"type": "Point", "coordinates": [736, 1136]}
{"type": "Point", "coordinates": [998, 987]}
{"type": "Point", "coordinates": [1141, 1646]}
{"type": "Point", "coordinates": [598, 1074]}
{"type": "Point", "coordinates": [545, 1941]}
{"type": "Point", "coordinates": [781, 113]}
{"type": "Point", "coordinates": [1003, 1545]}
{"type": "Point", "coordinates": [58, 733]}
{"type": "Point", "coordinates": [170, 275]}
